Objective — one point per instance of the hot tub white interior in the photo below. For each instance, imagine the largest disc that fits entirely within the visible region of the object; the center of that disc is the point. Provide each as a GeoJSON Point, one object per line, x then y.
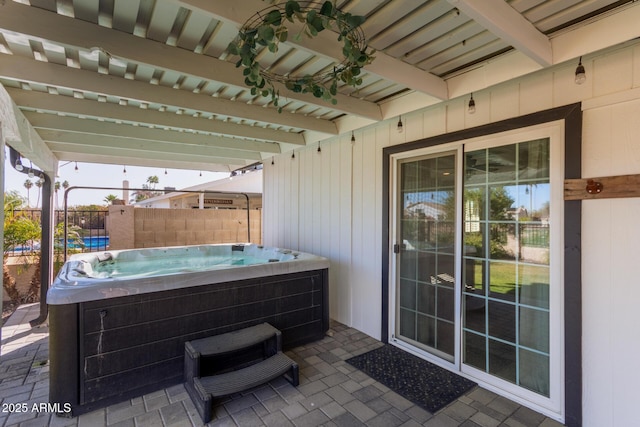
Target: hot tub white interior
{"type": "Point", "coordinates": [109, 274]}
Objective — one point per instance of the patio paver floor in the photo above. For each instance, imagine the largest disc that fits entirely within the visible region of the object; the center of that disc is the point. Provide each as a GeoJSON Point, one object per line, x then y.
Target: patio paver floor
{"type": "Point", "coordinates": [331, 393]}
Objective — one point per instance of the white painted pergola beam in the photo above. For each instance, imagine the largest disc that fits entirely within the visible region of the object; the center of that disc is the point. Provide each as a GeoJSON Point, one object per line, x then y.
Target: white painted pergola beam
{"type": "Point", "coordinates": [502, 20]}
{"type": "Point", "coordinates": [19, 134]}
{"type": "Point", "coordinates": [45, 25]}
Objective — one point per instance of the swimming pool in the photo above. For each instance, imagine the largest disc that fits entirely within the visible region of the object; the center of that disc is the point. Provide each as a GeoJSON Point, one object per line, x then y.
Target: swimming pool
{"type": "Point", "coordinates": [119, 319]}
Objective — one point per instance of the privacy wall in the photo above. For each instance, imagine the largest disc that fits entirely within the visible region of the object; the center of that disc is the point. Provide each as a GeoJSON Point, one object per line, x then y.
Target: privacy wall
{"type": "Point", "coordinates": [328, 202]}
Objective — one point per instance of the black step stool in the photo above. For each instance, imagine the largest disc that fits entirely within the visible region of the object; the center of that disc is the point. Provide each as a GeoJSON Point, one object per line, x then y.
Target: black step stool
{"type": "Point", "coordinates": [235, 377]}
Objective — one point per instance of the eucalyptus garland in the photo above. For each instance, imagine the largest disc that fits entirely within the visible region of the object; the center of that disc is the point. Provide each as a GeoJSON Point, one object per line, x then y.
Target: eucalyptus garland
{"type": "Point", "coordinates": [269, 28]}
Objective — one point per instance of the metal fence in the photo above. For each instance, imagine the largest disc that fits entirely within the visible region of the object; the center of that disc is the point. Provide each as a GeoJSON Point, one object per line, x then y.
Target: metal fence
{"type": "Point", "coordinates": [90, 226]}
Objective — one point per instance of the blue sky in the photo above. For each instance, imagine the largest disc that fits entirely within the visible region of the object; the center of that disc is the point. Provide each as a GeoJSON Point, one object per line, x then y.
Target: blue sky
{"type": "Point", "coordinates": [96, 175]}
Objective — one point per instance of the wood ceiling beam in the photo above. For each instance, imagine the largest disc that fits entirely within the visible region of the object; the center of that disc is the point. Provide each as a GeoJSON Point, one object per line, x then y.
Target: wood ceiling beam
{"type": "Point", "coordinates": [90, 127]}
{"type": "Point", "coordinates": [90, 141]}
{"type": "Point", "coordinates": [45, 25]}
{"type": "Point", "coordinates": [54, 75]}
{"type": "Point", "coordinates": [110, 159]}
{"type": "Point", "coordinates": [128, 155]}
{"type": "Point", "coordinates": [384, 66]}
{"type": "Point", "coordinates": [88, 108]}
{"type": "Point", "coordinates": [502, 20]}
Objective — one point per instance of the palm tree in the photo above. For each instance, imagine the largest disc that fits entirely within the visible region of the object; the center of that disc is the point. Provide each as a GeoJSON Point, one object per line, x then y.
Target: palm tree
{"type": "Point", "coordinates": [28, 184]}
{"type": "Point", "coordinates": [39, 184]}
{"type": "Point", "coordinates": [110, 198]}
{"type": "Point", "coordinates": [153, 180]}
{"type": "Point", "coordinates": [56, 187]}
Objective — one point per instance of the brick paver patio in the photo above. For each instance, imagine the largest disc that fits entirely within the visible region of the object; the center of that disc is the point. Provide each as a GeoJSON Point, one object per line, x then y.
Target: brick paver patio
{"type": "Point", "coordinates": [331, 393]}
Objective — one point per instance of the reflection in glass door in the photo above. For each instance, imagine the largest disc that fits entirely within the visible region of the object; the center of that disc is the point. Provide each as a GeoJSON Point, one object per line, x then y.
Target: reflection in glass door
{"type": "Point", "coordinates": [425, 297]}
{"type": "Point", "coordinates": [506, 274]}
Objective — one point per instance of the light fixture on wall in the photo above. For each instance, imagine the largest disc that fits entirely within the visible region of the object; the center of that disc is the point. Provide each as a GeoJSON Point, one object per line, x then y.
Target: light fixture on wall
{"type": "Point", "coordinates": [400, 127]}
{"type": "Point", "coordinates": [124, 169]}
{"type": "Point", "coordinates": [165, 171]}
{"type": "Point", "coordinates": [319, 150]}
{"type": "Point", "coordinates": [581, 76]}
{"type": "Point", "coordinates": [472, 105]}
{"type": "Point", "coordinates": [353, 138]}
{"type": "Point", "coordinates": [272, 162]}
{"type": "Point", "coordinates": [293, 155]}
{"type": "Point", "coordinates": [76, 167]}
{"type": "Point", "coordinates": [18, 164]}
{"type": "Point", "coordinates": [200, 173]}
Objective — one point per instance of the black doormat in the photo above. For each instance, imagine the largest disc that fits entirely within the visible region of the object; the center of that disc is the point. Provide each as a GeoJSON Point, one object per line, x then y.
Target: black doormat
{"type": "Point", "coordinates": [423, 383]}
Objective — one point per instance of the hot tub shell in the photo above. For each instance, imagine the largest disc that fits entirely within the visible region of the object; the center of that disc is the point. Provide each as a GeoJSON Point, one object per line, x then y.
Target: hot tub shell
{"type": "Point", "coordinates": [113, 341]}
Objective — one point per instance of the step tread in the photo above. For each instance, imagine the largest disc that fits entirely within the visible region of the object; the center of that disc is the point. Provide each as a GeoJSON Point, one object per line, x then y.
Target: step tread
{"type": "Point", "coordinates": [243, 379]}
{"type": "Point", "coordinates": [232, 341]}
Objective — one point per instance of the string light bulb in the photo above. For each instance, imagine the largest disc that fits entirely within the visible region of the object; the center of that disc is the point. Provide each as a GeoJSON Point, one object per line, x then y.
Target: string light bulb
{"type": "Point", "coordinates": [18, 164]}
{"type": "Point", "coordinates": [581, 75]}
{"type": "Point", "coordinates": [472, 105]}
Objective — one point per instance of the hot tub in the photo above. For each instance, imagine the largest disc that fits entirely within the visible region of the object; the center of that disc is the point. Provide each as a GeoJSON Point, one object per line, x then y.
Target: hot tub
{"type": "Point", "coordinates": [119, 319]}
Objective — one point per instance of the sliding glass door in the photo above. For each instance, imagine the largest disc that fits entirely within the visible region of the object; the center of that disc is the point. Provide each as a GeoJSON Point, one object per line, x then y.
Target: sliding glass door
{"type": "Point", "coordinates": [506, 277]}
{"type": "Point", "coordinates": [476, 269]}
{"type": "Point", "coordinates": [427, 254]}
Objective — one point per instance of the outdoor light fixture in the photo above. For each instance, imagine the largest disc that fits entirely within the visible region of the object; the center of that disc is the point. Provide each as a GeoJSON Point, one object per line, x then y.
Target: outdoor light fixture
{"type": "Point", "coordinates": [353, 138]}
{"type": "Point", "coordinates": [272, 162]}
{"type": "Point", "coordinates": [124, 169]}
{"type": "Point", "coordinates": [18, 164]}
{"type": "Point", "coordinates": [165, 171]}
{"type": "Point", "coordinates": [200, 173]}
{"type": "Point", "coordinates": [319, 150]}
{"type": "Point", "coordinates": [400, 127]}
{"type": "Point", "coordinates": [76, 168]}
{"type": "Point", "coordinates": [293, 155]}
{"type": "Point", "coordinates": [472, 105]}
{"type": "Point", "coordinates": [581, 76]}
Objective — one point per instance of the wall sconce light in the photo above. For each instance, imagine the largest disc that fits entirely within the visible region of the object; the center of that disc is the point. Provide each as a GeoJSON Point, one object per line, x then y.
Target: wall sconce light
{"type": "Point", "coordinates": [200, 173]}
{"type": "Point", "coordinates": [165, 171]}
{"type": "Point", "coordinates": [76, 167]}
{"type": "Point", "coordinates": [581, 76]}
{"type": "Point", "coordinates": [319, 150]}
{"type": "Point", "coordinates": [124, 169]}
{"type": "Point", "coordinates": [400, 127]}
{"type": "Point", "coordinates": [293, 155]}
{"type": "Point", "coordinates": [472, 105]}
{"type": "Point", "coordinates": [353, 138]}
{"type": "Point", "coordinates": [272, 162]}
{"type": "Point", "coordinates": [18, 164]}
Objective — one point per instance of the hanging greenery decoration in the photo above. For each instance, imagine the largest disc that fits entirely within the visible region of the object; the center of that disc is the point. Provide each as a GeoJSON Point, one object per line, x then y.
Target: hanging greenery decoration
{"type": "Point", "coordinates": [269, 28]}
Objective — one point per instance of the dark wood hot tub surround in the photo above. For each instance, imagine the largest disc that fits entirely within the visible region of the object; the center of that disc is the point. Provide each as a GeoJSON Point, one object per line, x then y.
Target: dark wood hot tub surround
{"type": "Point", "coordinates": [106, 351]}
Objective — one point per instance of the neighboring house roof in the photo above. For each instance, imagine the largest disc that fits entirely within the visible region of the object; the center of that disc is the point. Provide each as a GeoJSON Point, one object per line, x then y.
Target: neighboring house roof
{"type": "Point", "coordinates": [248, 183]}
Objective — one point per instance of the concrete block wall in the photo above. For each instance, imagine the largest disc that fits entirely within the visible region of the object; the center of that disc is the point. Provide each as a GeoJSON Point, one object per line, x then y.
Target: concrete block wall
{"type": "Point", "coordinates": [148, 227]}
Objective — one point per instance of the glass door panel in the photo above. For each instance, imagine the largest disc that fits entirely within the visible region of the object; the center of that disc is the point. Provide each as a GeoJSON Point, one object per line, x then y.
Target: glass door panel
{"type": "Point", "coordinates": [506, 276]}
{"type": "Point", "coordinates": [425, 315]}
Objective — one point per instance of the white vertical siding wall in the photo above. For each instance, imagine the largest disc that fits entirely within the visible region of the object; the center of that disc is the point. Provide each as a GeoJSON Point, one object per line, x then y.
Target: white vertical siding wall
{"type": "Point", "coordinates": [330, 204]}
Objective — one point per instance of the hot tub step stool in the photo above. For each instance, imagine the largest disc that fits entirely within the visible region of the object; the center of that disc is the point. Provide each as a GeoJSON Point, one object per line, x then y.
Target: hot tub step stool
{"type": "Point", "coordinates": [274, 363]}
